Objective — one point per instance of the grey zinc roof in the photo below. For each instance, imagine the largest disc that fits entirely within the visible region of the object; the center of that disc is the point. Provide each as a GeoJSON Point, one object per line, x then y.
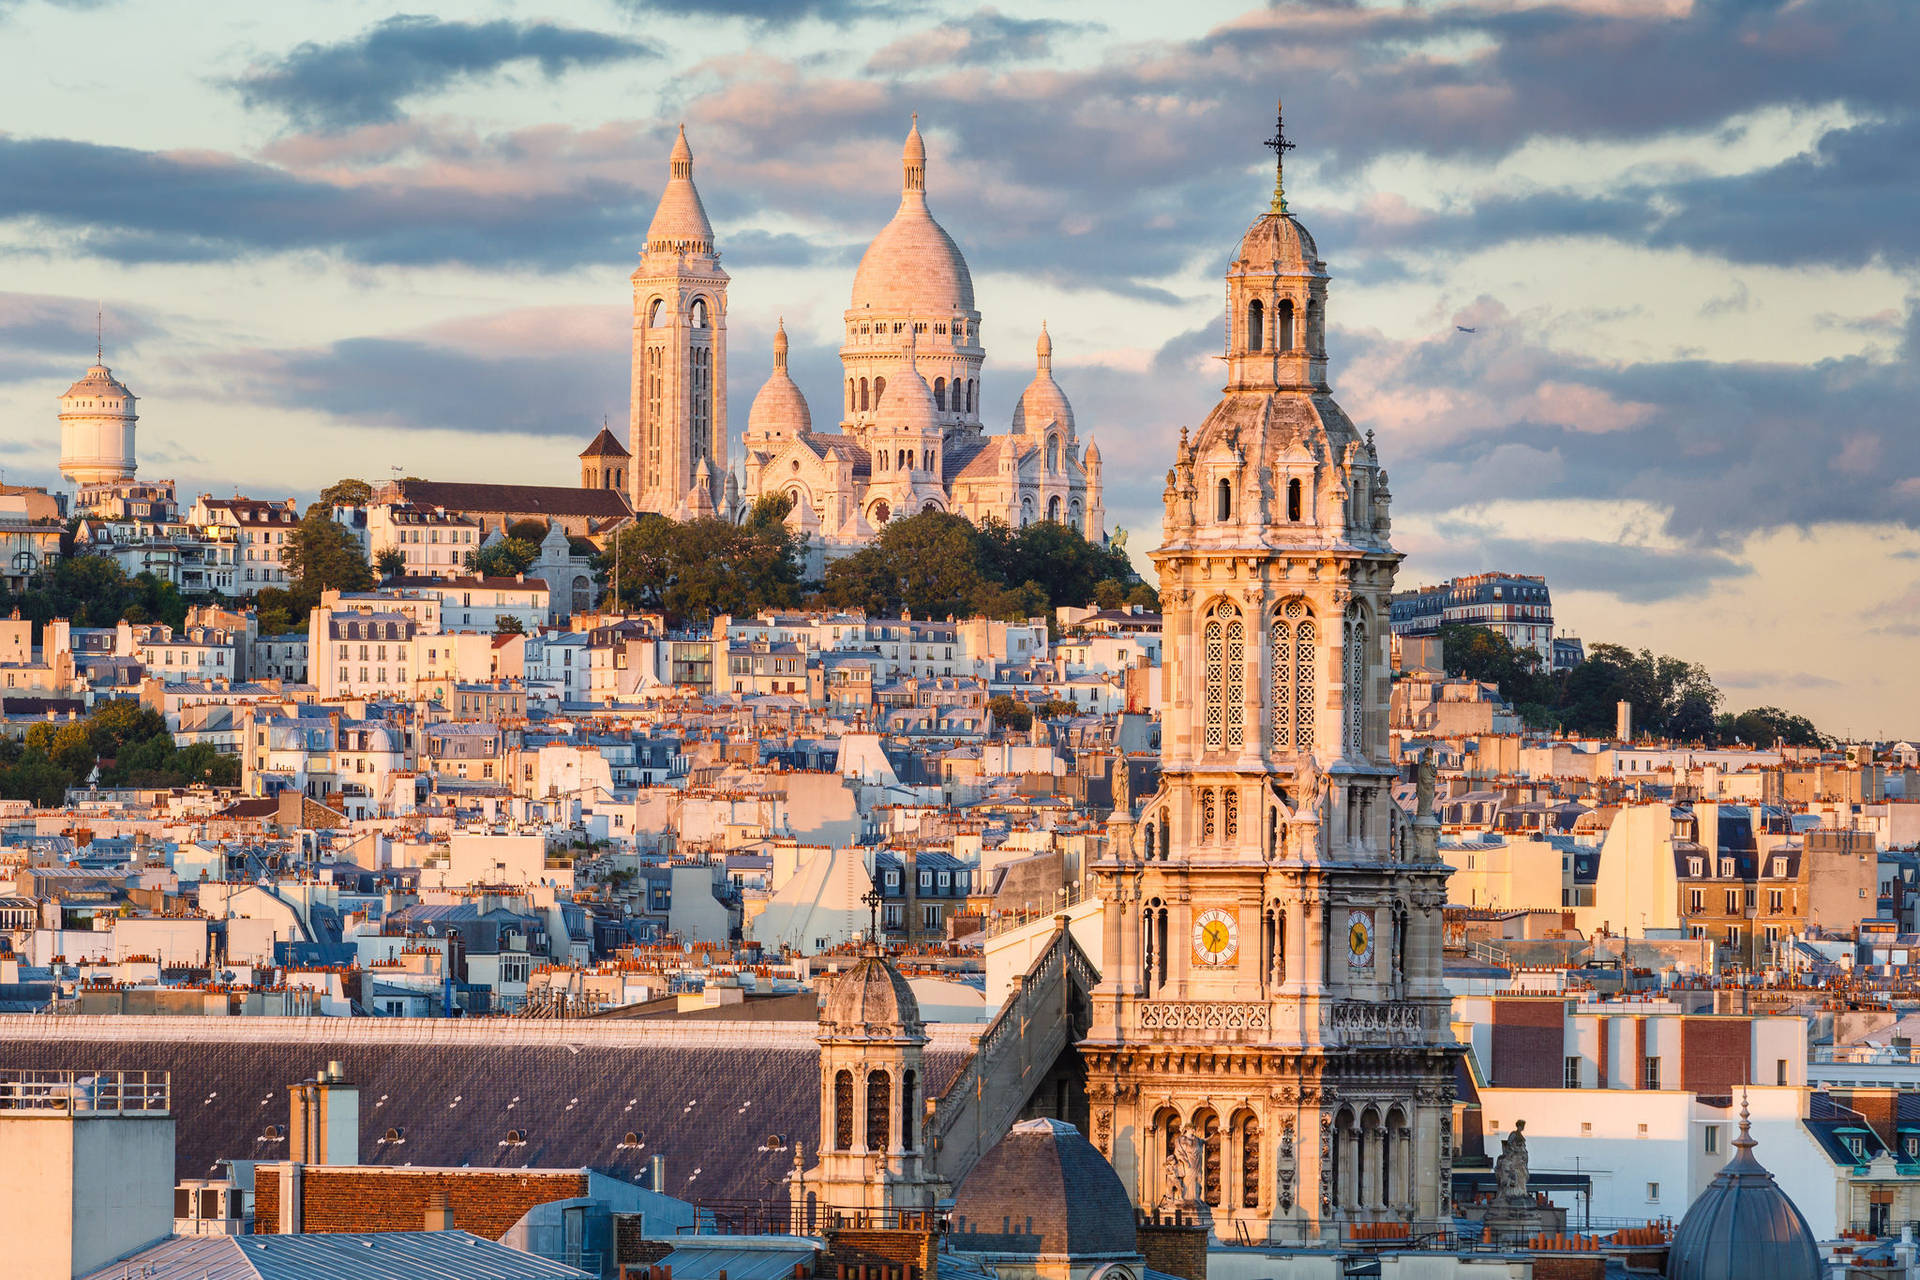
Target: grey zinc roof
{"type": "Point", "coordinates": [705, 1094]}
{"type": "Point", "coordinates": [1043, 1190]}
{"type": "Point", "coordinates": [385, 1255]}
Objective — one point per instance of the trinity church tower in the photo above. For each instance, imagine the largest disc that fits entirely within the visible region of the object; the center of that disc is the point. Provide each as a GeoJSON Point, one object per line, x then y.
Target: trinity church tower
{"type": "Point", "coordinates": [1270, 1045]}
{"type": "Point", "coordinates": [678, 426]}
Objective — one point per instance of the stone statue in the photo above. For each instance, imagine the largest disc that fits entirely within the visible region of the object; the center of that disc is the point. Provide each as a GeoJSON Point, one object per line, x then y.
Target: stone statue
{"type": "Point", "coordinates": [1122, 786]}
{"type": "Point", "coordinates": [1510, 1170]}
{"type": "Point", "coordinates": [1182, 1170]}
{"type": "Point", "coordinates": [1425, 776]}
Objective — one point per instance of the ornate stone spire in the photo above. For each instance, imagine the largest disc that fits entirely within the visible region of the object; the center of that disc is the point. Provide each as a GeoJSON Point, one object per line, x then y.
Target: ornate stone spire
{"type": "Point", "coordinates": [780, 346]}
{"type": "Point", "coordinates": [1044, 349]}
{"type": "Point", "coordinates": [680, 161]}
{"type": "Point", "coordinates": [913, 159]}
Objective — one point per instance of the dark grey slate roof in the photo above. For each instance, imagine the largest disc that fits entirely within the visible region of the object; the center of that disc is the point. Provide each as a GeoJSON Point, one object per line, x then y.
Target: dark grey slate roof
{"type": "Point", "coordinates": [445, 1094]}
{"type": "Point", "coordinates": [1743, 1227]}
{"type": "Point", "coordinates": [1043, 1189]}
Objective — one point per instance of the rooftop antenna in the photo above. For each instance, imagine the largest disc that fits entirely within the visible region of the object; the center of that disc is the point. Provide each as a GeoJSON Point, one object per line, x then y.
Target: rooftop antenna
{"type": "Point", "coordinates": [99, 335]}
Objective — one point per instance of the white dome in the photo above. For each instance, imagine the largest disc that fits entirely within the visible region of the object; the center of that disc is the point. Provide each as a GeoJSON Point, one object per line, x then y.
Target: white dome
{"type": "Point", "coordinates": [913, 267]}
{"type": "Point", "coordinates": [99, 383]}
{"type": "Point", "coordinates": [779, 410]}
{"type": "Point", "coordinates": [1043, 401]}
{"type": "Point", "coordinates": [907, 405]}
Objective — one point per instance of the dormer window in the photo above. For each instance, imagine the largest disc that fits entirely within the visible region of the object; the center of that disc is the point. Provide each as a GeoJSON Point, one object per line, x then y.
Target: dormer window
{"type": "Point", "coordinates": [1695, 867]}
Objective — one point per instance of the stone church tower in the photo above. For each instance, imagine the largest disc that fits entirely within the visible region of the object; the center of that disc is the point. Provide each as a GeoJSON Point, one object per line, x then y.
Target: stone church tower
{"type": "Point", "coordinates": [678, 425]}
{"type": "Point", "coordinates": [1270, 1044]}
{"type": "Point", "coordinates": [872, 1153]}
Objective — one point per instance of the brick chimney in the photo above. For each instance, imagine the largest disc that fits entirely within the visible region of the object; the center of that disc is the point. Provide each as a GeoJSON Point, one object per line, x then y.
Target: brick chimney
{"type": "Point", "coordinates": [439, 1212]}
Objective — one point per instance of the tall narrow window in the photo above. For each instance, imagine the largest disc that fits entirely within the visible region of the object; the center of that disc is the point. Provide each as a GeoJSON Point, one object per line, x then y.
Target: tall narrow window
{"type": "Point", "coordinates": [655, 409]}
{"type": "Point", "coordinates": [1230, 814]}
{"type": "Point", "coordinates": [879, 1110]}
{"type": "Point", "coordinates": [1354, 695]}
{"type": "Point", "coordinates": [1291, 644]}
{"type": "Point", "coordinates": [1207, 827]}
{"type": "Point", "coordinates": [940, 393]}
{"type": "Point", "coordinates": [699, 313]}
{"type": "Point", "coordinates": [843, 1110]}
{"type": "Point", "coordinates": [1256, 326]}
{"type": "Point", "coordinates": [1280, 679]}
{"type": "Point", "coordinates": [1304, 639]}
{"type": "Point", "coordinates": [1285, 335]}
{"type": "Point", "coordinates": [1223, 506]}
{"type": "Point", "coordinates": [879, 391]}
{"type": "Point", "coordinates": [907, 1120]}
{"type": "Point", "coordinates": [1293, 501]}
{"type": "Point", "coordinates": [1225, 678]}
{"type": "Point", "coordinates": [1250, 1163]}
{"type": "Point", "coordinates": [1210, 1157]}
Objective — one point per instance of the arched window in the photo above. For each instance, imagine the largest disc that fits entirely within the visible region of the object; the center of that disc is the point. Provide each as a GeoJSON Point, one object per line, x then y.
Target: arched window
{"type": "Point", "coordinates": [1223, 503]}
{"type": "Point", "coordinates": [1053, 509]}
{"type": "Point", "coordinates": [972, 386]}
{"type": "Point", "coordinates": [1230, 814]}
{"type": "Point", "coordinates": [1256, 325]}
{"type": "Point", "coordinates": [1313, 326]}
{"type": "Point", "coordinates": [1290, 644]}
{"type": "Point", "coordinates": [879, 1110]}
{"type": "Point", "coordinates": [843, 1111]}
{"type": "Point", "coordinates": [1249, 1161]}
{"type": "Point", "coordinates": [1293, 500]}
{"type": "Point", "coordinates": [1285, 335]}
{"type": "Point", "coordinates": [1207, 824]}
{"type": "Point", "coordinates": [1053, 454]}
{"type": "Point", "coordinates": [653, 312]}
{"type": "Point", "coordinates": [865, 404]}
{"type": "Point", "coordinates": [1207, 1124]}
{"type": "Point", "coordinates": [879, 391]}
{"type": "Point", "coordinates": [698, 315]}
{"type": "Point", "coordinates": [940, 393]}
{"type": "Point", "coordinates": [1354, 695]}
{"type": "Point", "coordinates": [1225, 643]}
{"type": "Point", "coordinates": [907, 1120]}
{"type": "Point", "coordinates": [853, 399]}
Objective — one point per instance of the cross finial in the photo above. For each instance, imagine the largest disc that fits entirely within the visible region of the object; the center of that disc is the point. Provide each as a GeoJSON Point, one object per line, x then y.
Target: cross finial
{"type": "Point", "coordinates": [99, 335]}
{"type": "Point", "coordinates": [1280, 145]}
{"type": "Point", "coordinates": [872, 899]}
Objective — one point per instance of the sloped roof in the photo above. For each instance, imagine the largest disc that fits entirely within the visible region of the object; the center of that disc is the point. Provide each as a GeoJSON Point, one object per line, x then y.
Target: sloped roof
{"type": "Point", "coordinates": [704, 1095]}
{"type": "Point", "coordinates": [345, 1255]}
{"type": "Point", "coordinates": [605, 446]}
{"type": "Point", "coordinates": [516, 499]}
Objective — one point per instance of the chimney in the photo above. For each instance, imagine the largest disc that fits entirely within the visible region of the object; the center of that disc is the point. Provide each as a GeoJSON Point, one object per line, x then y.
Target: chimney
{"type": "Point", "coordinates": [325, 1122]}
{"type": "Point", "coordinates": [1623, 720]}
{"type": "Point", "coordinates": [657, 1173]}
{"type": "Point", "coordinates": [439, 1211]}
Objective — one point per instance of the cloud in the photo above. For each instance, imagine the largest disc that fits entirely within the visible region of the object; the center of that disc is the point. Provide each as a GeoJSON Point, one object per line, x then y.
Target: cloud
{"type": "Point", "coordinates": [986, 37]}
{"type": "Point", "coordinates": [775, 13]}
{"type": "Point", "coordinates": [364, 80]}
{"type": "Point", "coordinates": [1630, 573]}
{"type": "Point", "coordinates": [542, 372]}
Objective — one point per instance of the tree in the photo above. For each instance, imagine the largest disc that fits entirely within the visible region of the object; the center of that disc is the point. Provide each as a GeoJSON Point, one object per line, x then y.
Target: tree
{"type": "Point", "coordinates": [506, 558]}
{"type": "Point", "coordinates": [508, 625]}
{"type": "Point", "coordinates": [390, 562]}
{"type": "Point", "coordinates": [1011, 713]}
{"type": "Point", "coordinates": [321, 555]}
{"type": "Point", "coordinates": [534, 531]}
{"type": "Point", "coordinates": [1767, 726]}
{"type": "Point", "coordinates": [344, 493]}
{"type": "Point", "coordinates": [694, 570]}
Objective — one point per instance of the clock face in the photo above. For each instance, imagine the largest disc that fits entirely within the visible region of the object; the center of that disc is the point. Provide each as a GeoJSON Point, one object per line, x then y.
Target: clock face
{"type": "Point", "coordinates": [1360, 939]}
{"type": "Point", "coordinates": [1216, 937]}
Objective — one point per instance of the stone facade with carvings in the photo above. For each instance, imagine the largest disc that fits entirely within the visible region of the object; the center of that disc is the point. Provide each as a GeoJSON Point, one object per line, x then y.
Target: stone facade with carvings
{"type": "Point", "coordinates": [1270, 1044]}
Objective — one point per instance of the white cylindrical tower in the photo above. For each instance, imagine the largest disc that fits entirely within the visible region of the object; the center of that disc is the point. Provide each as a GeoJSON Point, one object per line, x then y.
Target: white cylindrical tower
{"type": "Point", "coordinates": [96, 429]}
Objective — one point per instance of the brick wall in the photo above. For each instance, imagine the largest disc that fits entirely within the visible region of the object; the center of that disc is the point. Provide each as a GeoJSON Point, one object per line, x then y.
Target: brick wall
{"type": "Point", "coordinates": [1569, 1266]}
{"type": "Point", "coordinates": [1528, 1039]}
{"type": "Point", "coordinates": [855, 1247]}
{"type": "Point", "coordinates": [360, 1198]}
{"type": "Point", "coordinates": [1175, 1249]}
{"type": "Point", "coordinates": [1714, 1054]}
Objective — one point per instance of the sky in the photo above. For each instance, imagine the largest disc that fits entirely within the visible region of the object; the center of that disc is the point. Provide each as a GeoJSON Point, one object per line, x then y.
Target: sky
{"type": "Point", "coordinates": [333, 239]}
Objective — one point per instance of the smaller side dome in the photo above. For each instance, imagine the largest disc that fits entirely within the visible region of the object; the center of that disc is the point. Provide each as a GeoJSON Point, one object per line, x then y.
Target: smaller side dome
{"type": "Point", "coordinates": [779, 410]}
{"type": "Point", "coordinates": [872, 997]}
{"type": "Point", "coordinates": [1743, 1226]}
{"type": "Point", "coordinates": [1043, 401]}
{"type": "Point", "coordinates": [1276, 244]}
{"type": "Point", "coordinates": [908, 404]}
{"type": "Point", "coordinates": [1043, 1189]}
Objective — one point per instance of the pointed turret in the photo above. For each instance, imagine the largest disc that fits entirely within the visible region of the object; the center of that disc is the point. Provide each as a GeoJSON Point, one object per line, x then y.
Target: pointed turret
{"type": "Point", "coordinates": [680, 223]}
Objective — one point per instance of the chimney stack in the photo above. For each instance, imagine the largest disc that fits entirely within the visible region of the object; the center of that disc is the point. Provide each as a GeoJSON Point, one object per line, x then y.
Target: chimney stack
{"type": "Point", "coordinates": [439, 1212]}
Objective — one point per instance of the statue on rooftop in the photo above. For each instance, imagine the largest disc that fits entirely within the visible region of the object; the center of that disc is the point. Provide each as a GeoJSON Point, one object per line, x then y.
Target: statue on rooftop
{"type": "Point", "coordinates": [1510, 1170]}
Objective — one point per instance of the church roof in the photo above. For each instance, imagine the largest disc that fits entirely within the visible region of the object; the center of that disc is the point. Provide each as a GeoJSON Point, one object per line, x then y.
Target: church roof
{"type": "Point", "coordinates": [984, 464]}
{"type": "Point", "coordinates": [779, 409]}
{"type": "Point", "coordinates": [837, 444]}
{"type": "Point", "coordinates": [1043, 402]}
{"type": "Point", "coordinates": [1743, 1227]}
{"type": "Point", "coordinates": [871, 998]}
{"type": "Point", "coordinates": [680, 222]}
{"type": "Point", "coordinates": [437, 1094]}
{"type": "Point", "coordinates": [604, 446]}
{"type": "Point", "coordinates": [515, 499]}
{"type": "Point", "coordinates": [913, 267]}
{"type": "Point", "coordinates": [1277, 244]}
{"type": "Point", "coordinates": [1043, 1190]}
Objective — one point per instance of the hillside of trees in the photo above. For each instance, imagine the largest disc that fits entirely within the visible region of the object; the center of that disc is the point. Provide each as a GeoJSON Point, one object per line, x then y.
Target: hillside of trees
{"type": "Point", "coordinates": [1671, 698]}
{"type": "Point", "coordinates": [129, 744]}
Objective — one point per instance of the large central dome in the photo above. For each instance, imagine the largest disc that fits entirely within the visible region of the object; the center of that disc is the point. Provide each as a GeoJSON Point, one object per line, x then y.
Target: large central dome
{"type": "Point", "coordinates": [913, 267]}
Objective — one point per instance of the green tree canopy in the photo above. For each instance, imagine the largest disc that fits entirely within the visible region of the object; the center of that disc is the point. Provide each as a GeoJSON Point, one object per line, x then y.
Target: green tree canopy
{"type": "Point", "coordinates": [321, 555]}
{"type": "Point", "coordinates": [344, 493]}
{"type": "Point", "coordinates": [696, 569]}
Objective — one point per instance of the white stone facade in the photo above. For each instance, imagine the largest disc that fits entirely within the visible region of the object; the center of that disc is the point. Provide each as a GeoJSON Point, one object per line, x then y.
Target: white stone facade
{"type": "Point", "coordinates": [96, 428]}
{"type": "Point", "coordinates": [1270, 1046]}
{"type": "Point", "coordinates": [909, 437]}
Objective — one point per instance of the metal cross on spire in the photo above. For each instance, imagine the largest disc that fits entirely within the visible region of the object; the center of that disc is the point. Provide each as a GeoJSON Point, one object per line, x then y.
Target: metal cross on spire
{"type": "Point", "coordinates": [1280, 144]}
{"type": "Point", "coordinates": [99, 335]}
{"type": "Point", "coordinates": [872, 899]}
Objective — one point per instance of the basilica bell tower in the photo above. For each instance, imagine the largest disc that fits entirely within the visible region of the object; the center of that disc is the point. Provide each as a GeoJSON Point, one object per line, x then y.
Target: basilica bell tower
{"type": "Point", "coordinates": [1270, 1046]}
